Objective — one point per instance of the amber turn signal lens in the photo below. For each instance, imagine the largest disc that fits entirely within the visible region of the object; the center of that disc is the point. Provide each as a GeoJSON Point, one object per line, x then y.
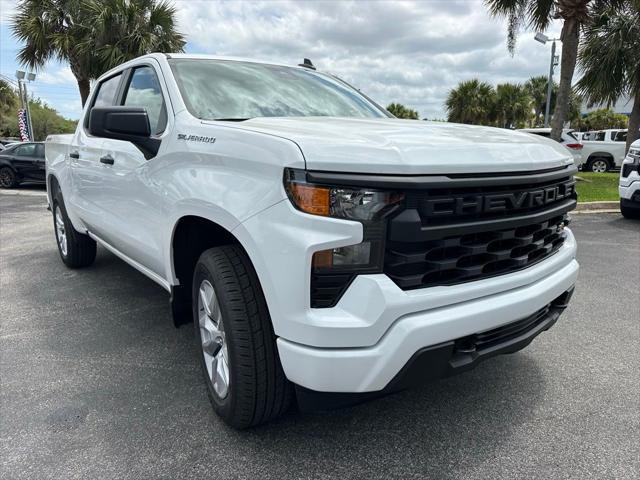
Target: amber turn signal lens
{"type": "Point", "coordinates": [311, 199]}
{"type": "Point", "coordinates": [323, 259]}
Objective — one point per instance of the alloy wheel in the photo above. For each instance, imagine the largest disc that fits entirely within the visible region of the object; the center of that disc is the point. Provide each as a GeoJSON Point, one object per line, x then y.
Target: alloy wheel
{"type": "Point", "coordinates": [599, 166]}
{"type": "Point", "coordinates": [6, 178]}
{"type": "Point", "coordinates": [212, 335]}
{"type": "Point", "coordinates": [61, 233]}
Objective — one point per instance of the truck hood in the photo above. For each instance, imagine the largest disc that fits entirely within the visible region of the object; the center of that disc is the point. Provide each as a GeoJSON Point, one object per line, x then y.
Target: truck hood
{"type": "Point", "coordinates": [393, 146]}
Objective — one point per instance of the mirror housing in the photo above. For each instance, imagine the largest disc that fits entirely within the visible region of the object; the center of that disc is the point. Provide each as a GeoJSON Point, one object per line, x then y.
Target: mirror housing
{"type": "Point", "coordinates": [130, 124]}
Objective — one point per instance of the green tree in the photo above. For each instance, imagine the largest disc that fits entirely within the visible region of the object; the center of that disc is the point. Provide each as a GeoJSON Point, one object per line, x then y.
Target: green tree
{"type": "Point", "coordinates": [400, 111]}
{"type": "Point", "coordinates": [602, 119]}
{"type": "Point", "coordinates": [513, 105]}
{"type": "Point", "coordinates": [538, 14]}
{"type": "Point", "coordinates": [610, 61]}
{"type": "Point", "coordinates": [93, 36]}
{"type": "Point", "coordinates": [45, 120]}
{"type": "Point", "coordinates": [8, 110]}
{"type": "Point", "coordinates": [537, 88]}
{"type": "Point", "coordinates": [472, 101]}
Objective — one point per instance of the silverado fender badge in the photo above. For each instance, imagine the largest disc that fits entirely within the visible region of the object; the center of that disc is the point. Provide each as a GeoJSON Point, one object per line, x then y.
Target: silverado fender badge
{"type": "Point", "coordinates": [196, 138]}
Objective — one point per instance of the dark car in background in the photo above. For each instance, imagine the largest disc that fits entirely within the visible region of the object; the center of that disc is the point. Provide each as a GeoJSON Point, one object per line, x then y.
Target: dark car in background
{"type": "Point", "coordinates": [22, 162]}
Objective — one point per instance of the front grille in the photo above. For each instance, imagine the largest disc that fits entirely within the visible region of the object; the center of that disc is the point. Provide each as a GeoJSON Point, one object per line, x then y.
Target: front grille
{"type": "Point", "coordinates": [627, 168]}
{"type": "Point", "coordinates": [473, 256]}
{"type": "Point", "coordinates": [445, 237]}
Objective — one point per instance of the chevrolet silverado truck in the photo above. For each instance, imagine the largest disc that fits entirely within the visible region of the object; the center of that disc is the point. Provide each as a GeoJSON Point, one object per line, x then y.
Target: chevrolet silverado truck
{"type": "Point", "coordinates": [325, 251]}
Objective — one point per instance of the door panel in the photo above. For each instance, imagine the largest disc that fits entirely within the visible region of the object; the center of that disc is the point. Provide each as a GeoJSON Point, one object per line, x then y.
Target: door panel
{"type": "Point", "coordinates": [132, 205]}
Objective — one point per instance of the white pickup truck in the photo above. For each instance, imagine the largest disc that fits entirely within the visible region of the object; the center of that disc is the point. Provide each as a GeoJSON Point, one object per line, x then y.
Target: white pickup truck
{"type": "Point", "coordinates": [603, 150]}
{"type": "Point", "coordinates": [324, 250]}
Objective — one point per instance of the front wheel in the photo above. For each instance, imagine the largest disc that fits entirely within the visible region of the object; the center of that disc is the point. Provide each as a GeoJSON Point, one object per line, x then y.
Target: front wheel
{"type": "Point", "coordinates": [76, 249]}
{"type": "Point", "coordinates": [630, 213]}
{"type": "Point", "coordinates": [598, 165]}
{"type": "Point", "coordinates": [8, 178]}
{"type": "Point", "coordinates": [235, 340]}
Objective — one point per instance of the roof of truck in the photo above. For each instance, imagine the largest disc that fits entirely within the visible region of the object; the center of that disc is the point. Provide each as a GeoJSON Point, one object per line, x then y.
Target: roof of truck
{"type": "Point", "coordinates": [196, 56]}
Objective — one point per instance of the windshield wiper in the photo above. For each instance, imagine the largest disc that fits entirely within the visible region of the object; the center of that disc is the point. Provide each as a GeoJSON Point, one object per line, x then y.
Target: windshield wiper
{"type": "Point", "coordinates": [230, 119]}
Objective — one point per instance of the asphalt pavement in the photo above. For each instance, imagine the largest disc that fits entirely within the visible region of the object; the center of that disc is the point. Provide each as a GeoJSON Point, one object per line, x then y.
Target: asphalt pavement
{"type": "Point", "coordinates": [95, 382]}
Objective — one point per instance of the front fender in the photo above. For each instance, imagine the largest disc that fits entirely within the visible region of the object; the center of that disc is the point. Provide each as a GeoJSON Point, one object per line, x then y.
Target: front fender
{"type": "Point", "coordinates": [192, 208]}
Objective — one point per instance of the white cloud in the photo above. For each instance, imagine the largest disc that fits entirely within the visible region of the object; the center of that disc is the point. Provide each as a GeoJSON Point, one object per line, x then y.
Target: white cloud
{"type": "Point", "coordinates": [7, 10]}
{"type": "Point", "coordinates": [411, 51]}
{"type": "Point", "coordinates": [57, 76]}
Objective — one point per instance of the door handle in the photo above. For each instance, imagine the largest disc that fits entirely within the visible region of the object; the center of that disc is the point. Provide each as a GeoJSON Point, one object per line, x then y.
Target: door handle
{"type": "Point", "coordinates": [107, 159]}
{"type": "Point", "coordinates": [74, 154]}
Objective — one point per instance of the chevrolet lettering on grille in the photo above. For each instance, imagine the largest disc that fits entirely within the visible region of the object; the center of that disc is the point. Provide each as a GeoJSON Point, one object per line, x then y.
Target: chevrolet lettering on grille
{"type": "Point", "coordinates": [498, 202]}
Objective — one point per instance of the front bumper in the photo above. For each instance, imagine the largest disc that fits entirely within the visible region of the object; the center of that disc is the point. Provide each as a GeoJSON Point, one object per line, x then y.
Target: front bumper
{"type": "Point", "coordinates": [372, 368]}
{"type": "Point", "coordinates": [630, 193]}
{"type": "Point", "coordinates": [448, 358]}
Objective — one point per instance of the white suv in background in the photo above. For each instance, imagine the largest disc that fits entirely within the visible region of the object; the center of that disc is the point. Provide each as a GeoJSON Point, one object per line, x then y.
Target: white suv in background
{"type": "Point", "coordinates": [630, 183]}
{"type": "Point", "coordinates": [603, 149]}
{"type": "Point", "coordinates": [568, 139]}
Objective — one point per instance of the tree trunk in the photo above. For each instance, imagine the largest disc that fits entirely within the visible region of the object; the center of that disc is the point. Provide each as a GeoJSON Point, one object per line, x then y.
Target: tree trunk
{"type": "Point", "coordinates": [83, 86]}
{"type": "Point", "coordinates": [570, 37]}
{"type": "Point", "coordinates": [634, 122]}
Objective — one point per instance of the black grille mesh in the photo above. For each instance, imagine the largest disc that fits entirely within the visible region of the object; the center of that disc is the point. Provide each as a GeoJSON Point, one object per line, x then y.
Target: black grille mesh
{"type": "Point", "coordinates": [473, 256]}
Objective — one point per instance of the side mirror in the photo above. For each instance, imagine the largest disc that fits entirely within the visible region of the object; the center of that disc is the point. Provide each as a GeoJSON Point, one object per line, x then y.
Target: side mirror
{"type": "Point", "coordinates": [130, 124]}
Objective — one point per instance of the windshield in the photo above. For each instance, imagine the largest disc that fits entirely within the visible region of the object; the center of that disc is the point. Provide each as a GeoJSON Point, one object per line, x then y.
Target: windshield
{"type": "Point", "coordinates": [230, 90]}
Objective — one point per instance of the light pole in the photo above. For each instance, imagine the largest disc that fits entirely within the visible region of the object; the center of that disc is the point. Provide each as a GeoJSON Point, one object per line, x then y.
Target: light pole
{"type": "Point", "coordinates": [543, 39]}
{"type": "Point", "coordinates": [24, 97]}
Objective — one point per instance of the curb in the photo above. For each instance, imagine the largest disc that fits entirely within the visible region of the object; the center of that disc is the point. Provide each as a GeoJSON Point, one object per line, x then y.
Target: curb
{"type": "Point", "coordinates": [23, 193]}
{"type": "Point", "coordinates": [597, 207]}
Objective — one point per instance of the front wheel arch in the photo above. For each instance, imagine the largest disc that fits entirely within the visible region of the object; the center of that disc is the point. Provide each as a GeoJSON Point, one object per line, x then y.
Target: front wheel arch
{"type": "Point", "coordinates": [191, 236]}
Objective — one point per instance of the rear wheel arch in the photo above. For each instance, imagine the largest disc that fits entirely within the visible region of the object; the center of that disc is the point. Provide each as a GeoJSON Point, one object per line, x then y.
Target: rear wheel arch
{"type": "Point", "coordinates": [52, 184]}
{"type": "Point", "coordinates": [600, 157]}
{"type": "Point", "coordinates": [605, 155]}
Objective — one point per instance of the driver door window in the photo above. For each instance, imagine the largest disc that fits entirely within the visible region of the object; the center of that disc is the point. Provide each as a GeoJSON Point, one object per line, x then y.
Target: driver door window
{"type": "Point", "coordinates": [144, 91]}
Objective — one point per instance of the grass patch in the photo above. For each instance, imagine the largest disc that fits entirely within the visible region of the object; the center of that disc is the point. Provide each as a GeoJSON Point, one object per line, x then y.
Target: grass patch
{"type": "Point", "coordinates": [598, 186]}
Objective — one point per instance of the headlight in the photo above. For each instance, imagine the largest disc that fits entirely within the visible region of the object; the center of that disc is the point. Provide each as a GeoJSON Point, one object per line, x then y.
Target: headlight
{"type": "Point", "coordinates": [340, 202]}
{"type": "Point", "coordinates": [333, 269]}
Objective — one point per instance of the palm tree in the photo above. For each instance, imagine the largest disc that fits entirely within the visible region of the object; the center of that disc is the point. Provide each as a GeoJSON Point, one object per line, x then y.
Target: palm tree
{"type": "Point", "coordinates": [93, 35]}
{"type": "Point", "coordinates": [472, 101]}
{"type": "Point", "coordinates": [126, 29]}
{"type": "Point", "coordinates": [513, 105]}
{"type": "Point", "coordinates": [537, 88]}
{"type": "Point", "coordinates": [400, 111]}
{"type": "Point", "coordinates": [538, 14]}
{"type": "Point", "coordinates": [610, 62]}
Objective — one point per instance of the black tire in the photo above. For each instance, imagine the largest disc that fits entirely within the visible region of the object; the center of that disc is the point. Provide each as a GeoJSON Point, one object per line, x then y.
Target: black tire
{"type": "Point", "coordinates": [8, 178]}
{"type": "Point", "coordinates": [593, 162]}
{"type": "Point", "coordinates": [258, 390]}
{"type": "Point", "coordinates": [630, 213]}
{"type": "Point", "coordinates": [80, 248]}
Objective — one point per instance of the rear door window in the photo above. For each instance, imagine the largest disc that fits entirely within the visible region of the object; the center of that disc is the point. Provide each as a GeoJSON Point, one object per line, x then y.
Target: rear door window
{"type": "Point", "coordinates": [619, 136]}
{"type": "Point", "coordinates": [40, 151]}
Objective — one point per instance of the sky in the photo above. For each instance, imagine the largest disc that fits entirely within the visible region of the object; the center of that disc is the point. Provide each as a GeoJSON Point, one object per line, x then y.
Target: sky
{"type": "Point", "coordinates": [412, 52]}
